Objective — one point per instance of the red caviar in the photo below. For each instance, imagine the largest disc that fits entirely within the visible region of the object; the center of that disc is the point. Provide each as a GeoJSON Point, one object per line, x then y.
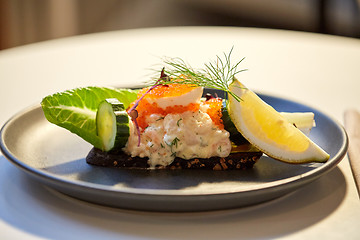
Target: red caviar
{"type": "Point", "coordinates": [168, 90]}
{"type": "Point", "coordinates": [214, 111]}
{"type": "Point", "coordinates": [145, 108]}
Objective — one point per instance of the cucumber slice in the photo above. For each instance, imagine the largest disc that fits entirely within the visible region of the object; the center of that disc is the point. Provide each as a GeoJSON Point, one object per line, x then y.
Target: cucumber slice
{"type": "Point", "coordinates": [236, 137]}
{"type": "Point", "coordinates": [112, 124]}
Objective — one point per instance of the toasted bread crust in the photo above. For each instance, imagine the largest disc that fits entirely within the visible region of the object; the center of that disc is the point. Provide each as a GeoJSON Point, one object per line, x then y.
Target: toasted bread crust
{"type": "Point", "coordinates": [240, 160]}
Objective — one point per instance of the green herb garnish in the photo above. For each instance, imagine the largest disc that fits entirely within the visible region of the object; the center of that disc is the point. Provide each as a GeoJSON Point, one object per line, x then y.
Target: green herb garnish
{"type": "Point", "coordinates": [178, 122]}
{"type": "Point", "coordinates": [217, 74]}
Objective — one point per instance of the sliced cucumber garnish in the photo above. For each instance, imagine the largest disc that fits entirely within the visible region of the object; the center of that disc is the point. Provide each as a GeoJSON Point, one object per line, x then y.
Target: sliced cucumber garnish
{"type": "Point", "coordinates": [229, 126]}
{"type": "Point", "coordinates": [112, 124]}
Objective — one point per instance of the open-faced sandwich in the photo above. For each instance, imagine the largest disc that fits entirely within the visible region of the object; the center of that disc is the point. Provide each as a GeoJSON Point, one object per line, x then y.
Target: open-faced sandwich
{"type": "Point", "coordinates": [175, 124]}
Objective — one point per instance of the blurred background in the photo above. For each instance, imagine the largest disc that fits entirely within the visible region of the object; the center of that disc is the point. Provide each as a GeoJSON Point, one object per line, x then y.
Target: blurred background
{"type": "Point", "coordinates": [27, 21]}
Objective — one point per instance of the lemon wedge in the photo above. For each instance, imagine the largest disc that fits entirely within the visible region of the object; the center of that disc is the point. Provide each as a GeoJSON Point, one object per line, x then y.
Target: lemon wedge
{"type": "Point", "coordinates": [269, 131]}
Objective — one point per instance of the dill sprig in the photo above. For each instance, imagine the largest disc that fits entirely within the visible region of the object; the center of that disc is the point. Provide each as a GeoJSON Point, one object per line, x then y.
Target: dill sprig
{"type": "Point", "coordinates": [217, 74]}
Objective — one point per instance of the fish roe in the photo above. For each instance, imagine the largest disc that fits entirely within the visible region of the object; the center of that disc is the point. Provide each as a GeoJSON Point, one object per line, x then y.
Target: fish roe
{"type": "Point", "coordinates": [214, 111]}
{"type": "Point", "coordinates": [168, 90]}
{"type": "Point", "coordinates": [145, 108]}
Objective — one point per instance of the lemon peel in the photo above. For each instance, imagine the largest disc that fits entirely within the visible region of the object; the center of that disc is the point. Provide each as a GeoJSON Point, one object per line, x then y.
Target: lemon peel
{"type": "Point", "coordinates": [269, 131]}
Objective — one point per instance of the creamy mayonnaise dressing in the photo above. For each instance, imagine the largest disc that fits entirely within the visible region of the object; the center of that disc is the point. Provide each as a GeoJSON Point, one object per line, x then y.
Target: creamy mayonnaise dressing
{"type": "Point", "coordinates": [187, 135]}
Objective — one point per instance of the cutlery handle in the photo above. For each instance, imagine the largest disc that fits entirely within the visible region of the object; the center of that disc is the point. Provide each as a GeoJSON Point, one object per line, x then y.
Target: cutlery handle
{"type": "Point", "coordinates": [352, 125]}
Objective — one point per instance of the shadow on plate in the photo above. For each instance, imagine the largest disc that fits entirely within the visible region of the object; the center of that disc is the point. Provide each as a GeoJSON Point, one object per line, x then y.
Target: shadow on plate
{"type": "Point", "coordinates": [286, 215]}
{"type": "Point", "coordinates": [265, 170]}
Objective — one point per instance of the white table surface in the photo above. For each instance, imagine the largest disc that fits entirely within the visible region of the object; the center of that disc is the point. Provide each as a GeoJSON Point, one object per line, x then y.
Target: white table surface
{"type": "Point", "coordinates": [317, 70]}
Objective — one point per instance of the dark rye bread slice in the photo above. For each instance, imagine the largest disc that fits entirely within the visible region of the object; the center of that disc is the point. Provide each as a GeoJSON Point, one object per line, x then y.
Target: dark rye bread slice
{"type": "Point", "coordinates": [239, 160]}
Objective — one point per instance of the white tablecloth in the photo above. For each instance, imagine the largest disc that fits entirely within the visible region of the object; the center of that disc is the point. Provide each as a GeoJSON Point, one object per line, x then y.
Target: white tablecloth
{"type": "Point", "coordinates": [317, 70]}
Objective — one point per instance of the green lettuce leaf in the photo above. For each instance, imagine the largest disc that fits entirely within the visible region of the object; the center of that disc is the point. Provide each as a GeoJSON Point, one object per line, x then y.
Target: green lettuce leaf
{"type": "Point", "coordinates": [75, 110]}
